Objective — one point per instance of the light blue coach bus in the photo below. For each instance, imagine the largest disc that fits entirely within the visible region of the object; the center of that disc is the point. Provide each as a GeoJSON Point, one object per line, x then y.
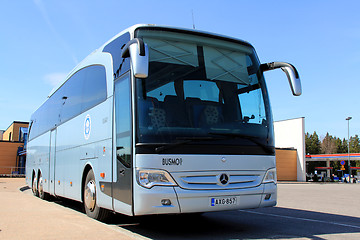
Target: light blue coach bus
{"type": "Point", "coordinates": [159, 120]}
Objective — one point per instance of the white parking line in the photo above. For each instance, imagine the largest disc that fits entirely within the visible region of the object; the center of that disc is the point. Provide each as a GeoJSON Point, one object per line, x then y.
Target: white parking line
{"type": "Point", "coordinates": [301, 219]}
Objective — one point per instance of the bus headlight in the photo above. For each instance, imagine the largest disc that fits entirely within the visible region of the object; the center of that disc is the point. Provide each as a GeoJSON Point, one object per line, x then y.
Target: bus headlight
{"type": "Point", "coordinates": [270, 176]}
{"type": "Point", "coordinates": [149, 178]}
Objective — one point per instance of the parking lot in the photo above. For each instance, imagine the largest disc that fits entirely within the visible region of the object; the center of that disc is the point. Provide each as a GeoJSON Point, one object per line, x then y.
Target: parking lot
{"type": "Point", "coordinates": [304, 211]}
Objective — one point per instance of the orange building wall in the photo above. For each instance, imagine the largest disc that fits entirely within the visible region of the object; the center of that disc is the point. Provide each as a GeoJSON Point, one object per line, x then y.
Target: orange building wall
{"type": "Point", "coordinates": [14, 130]}
{"type": "Point", "coordinates": [7, 133]}
{"type": "Point", "coordinates": [286, 165]}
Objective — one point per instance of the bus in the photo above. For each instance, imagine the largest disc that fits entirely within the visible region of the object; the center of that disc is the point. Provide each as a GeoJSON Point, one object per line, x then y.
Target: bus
{"type": "Point", "coordinates": [159, 120]}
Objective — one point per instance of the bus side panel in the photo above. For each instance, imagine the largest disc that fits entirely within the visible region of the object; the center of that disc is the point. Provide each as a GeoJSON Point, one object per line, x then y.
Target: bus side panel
{"type": "Point", "coordinates": [30, 162]}
{"type": "Point", "coordinates": [67, 162]}
{"type": "Point", "coordinates": [52, 159]}
{"type": "Point", "coordinates": [38, 158]}
{"type": "Point", "coordinates": [104, 166]}
{"type": "Point", "coordinates": [75, 150]}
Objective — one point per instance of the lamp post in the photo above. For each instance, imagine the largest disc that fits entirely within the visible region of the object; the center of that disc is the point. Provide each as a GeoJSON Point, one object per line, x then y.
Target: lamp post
{"type": "Point", "coordinates": [348, 119]}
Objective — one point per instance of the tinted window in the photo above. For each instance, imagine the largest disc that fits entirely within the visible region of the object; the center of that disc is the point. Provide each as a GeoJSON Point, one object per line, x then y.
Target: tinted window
{"type": "Point", "coordinates": [163, 91]}
{"type": "Point", "coordinates": [47, 116]}
{"type": "Point", "coordinates": [121, 65]}
{"type": "Point", "coordinates": [204, 90]}
{"type": "Point", "coordinates": [94, 87]}
{"type": "Point", "coordinates": [72, 96]}
{"type": "Point", "coordinates": [82, 91]}
{"type": "Point", "coordinates": [85, 89]}
{"type": "Point", "coordinates": [198, 88]}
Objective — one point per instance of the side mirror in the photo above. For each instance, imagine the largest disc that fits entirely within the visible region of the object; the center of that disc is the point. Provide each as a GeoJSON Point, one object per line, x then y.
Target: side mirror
{"type": "Point", "coordinates": [138, 51]}
{"type": "Point", "coordinates": [290, 71]}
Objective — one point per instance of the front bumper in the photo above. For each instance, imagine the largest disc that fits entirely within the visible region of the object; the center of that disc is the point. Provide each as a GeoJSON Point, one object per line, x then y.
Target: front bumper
{"type": "Point", "coordinates": [149, 201]}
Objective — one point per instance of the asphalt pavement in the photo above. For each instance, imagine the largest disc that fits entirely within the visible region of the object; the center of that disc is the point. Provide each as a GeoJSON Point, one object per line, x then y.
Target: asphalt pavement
{"type": "Point", "coordinates": [304, 211]}
{"type": "Point", "coordinates": [23, 216]}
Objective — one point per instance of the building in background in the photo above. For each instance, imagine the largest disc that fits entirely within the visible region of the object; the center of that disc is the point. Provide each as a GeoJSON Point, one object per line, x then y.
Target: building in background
{"type": "Point", "coordinates": [15, 131]}
{"type": "Point", "coordinates": [13, 149]}
{"type": "Point", "coordinates": [1, 134]}
{"type": "Point", "coordinates": [290, 149]}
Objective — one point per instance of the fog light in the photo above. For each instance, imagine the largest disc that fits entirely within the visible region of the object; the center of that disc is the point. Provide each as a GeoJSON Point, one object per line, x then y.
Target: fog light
{"type": "Point", "coordinates": [165, 202]}
{"type": "Point", "coordinates": [267, 196]}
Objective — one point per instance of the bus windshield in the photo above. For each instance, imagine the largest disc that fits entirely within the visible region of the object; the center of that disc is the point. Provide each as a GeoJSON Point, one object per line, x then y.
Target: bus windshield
{"type": "Point", "coordinates": [202, 91]}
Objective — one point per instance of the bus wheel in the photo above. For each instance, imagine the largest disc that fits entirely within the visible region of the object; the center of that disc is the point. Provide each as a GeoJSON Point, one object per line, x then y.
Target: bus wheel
{"type": "Point", "coordinates": [43, 195]}
{"type": "Point", "coordinates": [34, 186]}
{"type": "Point", "coordinates": [90, 204]}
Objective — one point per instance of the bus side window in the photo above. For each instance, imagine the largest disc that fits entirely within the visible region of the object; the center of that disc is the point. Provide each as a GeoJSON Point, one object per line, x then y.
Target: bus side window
{"type": "Point", "coordinates": [120, 65]}
{"type": "Point", "coordinates": [71, 97]}
{"type": "Point", "coordinates": [94, 87]}
{"type": "Point", "coordinates": [84, 90]}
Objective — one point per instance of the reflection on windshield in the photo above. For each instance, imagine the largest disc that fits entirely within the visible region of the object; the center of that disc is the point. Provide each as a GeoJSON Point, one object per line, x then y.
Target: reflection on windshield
{"type": "Point", "coordinates": [197, 86]}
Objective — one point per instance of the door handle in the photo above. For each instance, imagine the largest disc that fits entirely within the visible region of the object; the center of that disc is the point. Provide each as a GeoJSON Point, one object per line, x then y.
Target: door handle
{"type": "Point", "coordinates": [122, 172]}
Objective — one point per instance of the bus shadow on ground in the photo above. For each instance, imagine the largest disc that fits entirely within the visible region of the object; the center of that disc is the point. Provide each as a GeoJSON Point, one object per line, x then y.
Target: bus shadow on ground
{"type": "Point", "coordinates": [264, 223]}
{"type": "Point", "coordinates": [267, 223]}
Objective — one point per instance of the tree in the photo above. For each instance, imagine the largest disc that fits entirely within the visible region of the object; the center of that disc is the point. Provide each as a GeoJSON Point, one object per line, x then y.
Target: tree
{"type": "Point", "coordinates": [355, 144]}
{"type": "Point", "coordinates": [328, 144]}
{"type": "Point", "coordinates": [312, 143]}
{"type": "Point", "coordinates": [355, 148]}
{"type": "Point", "coordinates": [341, 146]}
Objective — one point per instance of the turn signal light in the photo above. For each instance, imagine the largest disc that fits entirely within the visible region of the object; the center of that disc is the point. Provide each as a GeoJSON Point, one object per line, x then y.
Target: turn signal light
{"type": "Point", "coordinates": [102, 175]}
{"type": "Point", "coordinates": [166, 202]}
{"type": "Point", "coordinates": [267, 196]}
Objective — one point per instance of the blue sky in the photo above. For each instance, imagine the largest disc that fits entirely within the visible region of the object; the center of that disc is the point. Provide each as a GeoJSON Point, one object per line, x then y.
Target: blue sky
{"type": "Point", "coordinates": [41, 41]}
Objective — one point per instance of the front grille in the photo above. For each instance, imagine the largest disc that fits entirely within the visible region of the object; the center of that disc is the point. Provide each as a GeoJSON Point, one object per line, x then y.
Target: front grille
{"type": "Point", "coordinates": [212, 180]}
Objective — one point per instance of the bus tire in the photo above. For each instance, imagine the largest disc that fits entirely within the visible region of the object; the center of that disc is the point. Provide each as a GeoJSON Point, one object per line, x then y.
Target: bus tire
{"type": "Point", "coordinates": [90, 201]}
{"type": "Point", "coordinates": [43, 195]}
{"type": "Point", "coordinates": [34, 185]}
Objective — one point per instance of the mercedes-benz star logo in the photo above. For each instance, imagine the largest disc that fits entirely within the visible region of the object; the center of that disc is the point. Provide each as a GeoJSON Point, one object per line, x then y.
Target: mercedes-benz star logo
{"type": "Point", "coordinates": [224, 179]}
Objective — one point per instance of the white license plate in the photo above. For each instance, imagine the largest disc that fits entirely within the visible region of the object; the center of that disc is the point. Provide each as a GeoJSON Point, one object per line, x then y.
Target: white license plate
{"type": "Point", "coordinates": [223, 201]}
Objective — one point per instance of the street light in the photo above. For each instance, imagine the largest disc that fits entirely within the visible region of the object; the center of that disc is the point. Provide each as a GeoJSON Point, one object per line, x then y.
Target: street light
{"type": "Point", "coordinates": [348, 119]}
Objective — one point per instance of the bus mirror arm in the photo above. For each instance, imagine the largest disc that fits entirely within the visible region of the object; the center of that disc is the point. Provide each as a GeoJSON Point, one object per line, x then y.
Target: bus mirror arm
{"type": "Point", "coordinates": [138, 52]}
{"type": "Point", "coordinates": [140, 43]}
{"type": "Point", "coordinates": [290, 71]}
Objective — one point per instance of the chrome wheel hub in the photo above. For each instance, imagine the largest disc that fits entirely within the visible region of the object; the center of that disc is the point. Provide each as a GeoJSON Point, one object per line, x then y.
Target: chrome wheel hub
{"type": "Point", "coordinates": [41, 186]}
{"type": "Point", "coordinates": [34, 188]}
{"type": "Point", "coordinates": [90, 195]}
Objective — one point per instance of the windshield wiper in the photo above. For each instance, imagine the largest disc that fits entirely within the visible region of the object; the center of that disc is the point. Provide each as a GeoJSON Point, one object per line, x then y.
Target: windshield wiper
{"type": "Point", "coordinates": [251, 138]}
{"type": "Point", "coordinates": [183, 140]}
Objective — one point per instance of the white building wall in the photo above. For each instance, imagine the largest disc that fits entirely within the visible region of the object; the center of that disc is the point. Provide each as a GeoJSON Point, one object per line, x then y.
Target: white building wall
{"type": "Point", "coordinates": [291, 134]}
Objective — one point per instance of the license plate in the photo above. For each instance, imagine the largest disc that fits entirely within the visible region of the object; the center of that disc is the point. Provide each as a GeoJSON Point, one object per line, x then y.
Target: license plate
{"type": "Point", "coordinates": [223, 201]}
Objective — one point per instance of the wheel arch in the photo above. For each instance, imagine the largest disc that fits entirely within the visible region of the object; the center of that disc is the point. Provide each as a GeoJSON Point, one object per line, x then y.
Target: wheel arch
{"type": "Point", "coordinates": [86, 170]}
{"type": "Point", "coordinates": [38, 173]}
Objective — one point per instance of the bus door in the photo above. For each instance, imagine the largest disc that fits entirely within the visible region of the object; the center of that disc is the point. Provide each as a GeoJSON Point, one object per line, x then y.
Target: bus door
{"type": "Point", "coordinates": [122, 182]}
{"type": "Point", "coordinates": [52, 162]}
